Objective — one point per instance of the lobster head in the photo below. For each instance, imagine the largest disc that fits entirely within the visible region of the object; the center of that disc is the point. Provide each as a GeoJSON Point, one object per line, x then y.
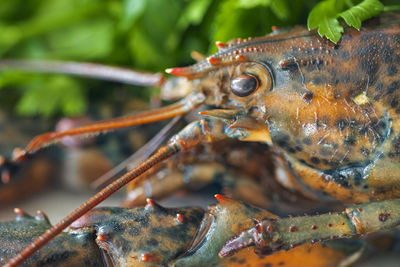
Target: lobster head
{"type": "Point", "coordinates": [311, 94]}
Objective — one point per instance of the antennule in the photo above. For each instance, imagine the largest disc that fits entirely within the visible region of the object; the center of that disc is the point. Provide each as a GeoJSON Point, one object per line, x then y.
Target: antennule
{"type": "Point", "coordinates": [167, 112]}
{"type": "Point", "coordinates": [91, 70]}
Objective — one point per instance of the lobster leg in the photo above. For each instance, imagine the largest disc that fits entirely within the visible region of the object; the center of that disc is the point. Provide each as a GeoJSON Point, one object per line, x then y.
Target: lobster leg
{"type": "Point", "coordinates": [230, 217]}
{"type": "Point", "coordinates": [199, 169]}
{"type": "Point", "coordinates": [195, 175]}
{"type": "Point", "coordinates": [205, 130]}
{"type": "Point", "coordinates": [273, 235]}
{"type": "Point", "coordinates": [168, 181]}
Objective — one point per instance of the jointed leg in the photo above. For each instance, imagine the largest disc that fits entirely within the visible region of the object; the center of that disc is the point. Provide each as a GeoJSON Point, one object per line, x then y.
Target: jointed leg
{"type": "Point", "coordinates": [168, 181]}
{"type": "Point", "coordinates": [273, 235]}
{"type": "Point", "coordinates": [205, 130]}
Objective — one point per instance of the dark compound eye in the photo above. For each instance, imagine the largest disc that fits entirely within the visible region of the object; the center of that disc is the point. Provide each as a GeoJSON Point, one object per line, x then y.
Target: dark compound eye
{"type": "Point", "coordinates": [244, 85]}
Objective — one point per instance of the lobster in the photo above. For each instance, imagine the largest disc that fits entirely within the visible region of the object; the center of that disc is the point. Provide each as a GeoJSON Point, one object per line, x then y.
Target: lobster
{"type": "Point", "coordinates": [158, 236]}
{"type": "Point", "coordinates": [328, 112]}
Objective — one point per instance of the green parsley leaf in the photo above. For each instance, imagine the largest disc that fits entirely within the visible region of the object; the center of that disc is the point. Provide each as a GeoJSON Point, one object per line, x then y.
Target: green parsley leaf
{"type": "Point", "coordinates": [365, 10]}
{"type": "Point", "coordinates": [49, 95]}
{"type": "Point", "coordinates": [323, 16]}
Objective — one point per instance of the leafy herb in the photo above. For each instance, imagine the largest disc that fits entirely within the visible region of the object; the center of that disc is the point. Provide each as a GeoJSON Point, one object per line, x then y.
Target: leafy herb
{"type": "Point", "coordinates": [142, 34]}
{"type": "Point", "coordinates": [324, 16]}
{"type": "Point", "coordinates": [60, 93]}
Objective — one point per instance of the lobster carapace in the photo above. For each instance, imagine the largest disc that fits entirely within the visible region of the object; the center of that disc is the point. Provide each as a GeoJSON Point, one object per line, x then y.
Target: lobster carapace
{"type": "Point", "coordinates": [331, 110]}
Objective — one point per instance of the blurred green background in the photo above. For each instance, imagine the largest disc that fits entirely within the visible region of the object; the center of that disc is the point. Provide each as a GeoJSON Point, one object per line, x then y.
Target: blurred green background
{"type": "Point", "coordinates": [141, 34]}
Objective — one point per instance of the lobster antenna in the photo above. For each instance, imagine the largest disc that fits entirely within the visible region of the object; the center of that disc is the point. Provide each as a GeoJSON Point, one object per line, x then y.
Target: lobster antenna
{"type": "Point", "coordinates": [91, 70]}
{"type": "Point", "coordinates": [162, 154]}
{"type": "Point", "coordinates": [140, 155]}
{"type": "Point", "coordinates": [167, 112]}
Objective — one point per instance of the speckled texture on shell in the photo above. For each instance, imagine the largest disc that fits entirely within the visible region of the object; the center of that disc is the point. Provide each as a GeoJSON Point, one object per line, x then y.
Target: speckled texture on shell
{"type": "Point", "coordinates": [151, 235]}
{"type": "Point", "coordinates": [67, 249]}
{"type": "Point", "coordinates": [332, 109]}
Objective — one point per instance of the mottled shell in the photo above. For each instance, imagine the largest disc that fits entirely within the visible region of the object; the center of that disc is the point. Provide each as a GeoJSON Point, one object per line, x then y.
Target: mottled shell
{"type": "Point", "coordinates": [339, 121]}
{"type": "Point", "coordinates": [333, 109]}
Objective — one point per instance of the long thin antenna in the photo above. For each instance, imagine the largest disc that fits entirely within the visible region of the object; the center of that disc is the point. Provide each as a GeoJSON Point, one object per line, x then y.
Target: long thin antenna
{"type": "Point", "coordinates": [163, 153]}
{"type": "Point", "coordinates": [141, 118]}
{"type": "Point", "coordinates": [140, 155]}
{"type": "Point", "coordinates": [92, 70]}
{"type": "Point", "coordinates": [182, 107]}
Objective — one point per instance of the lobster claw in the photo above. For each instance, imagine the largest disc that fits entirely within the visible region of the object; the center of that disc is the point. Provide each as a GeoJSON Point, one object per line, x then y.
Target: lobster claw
{"type": "Point", "coordinates": [244, 240]}
{"type": "Point", "coordinates": [256, 236]}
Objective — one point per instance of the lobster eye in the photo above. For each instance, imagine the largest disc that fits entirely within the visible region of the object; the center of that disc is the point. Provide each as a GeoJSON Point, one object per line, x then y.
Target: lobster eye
{"type": "Point", "coordinates": [244, 85]}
